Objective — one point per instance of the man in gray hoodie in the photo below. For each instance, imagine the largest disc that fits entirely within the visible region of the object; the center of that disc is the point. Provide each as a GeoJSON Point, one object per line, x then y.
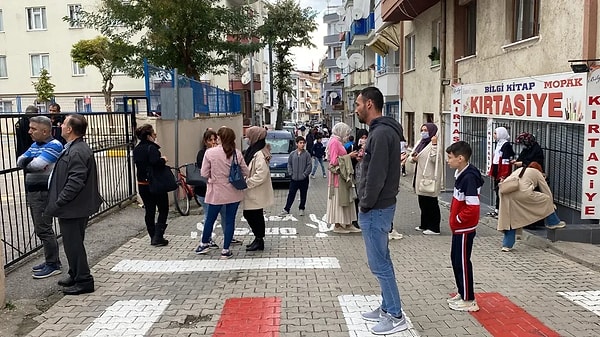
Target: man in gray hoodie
{"type": "Point", "coordinates": [299, 167]}
{"type": "Point", "coordinates": [377, 189]}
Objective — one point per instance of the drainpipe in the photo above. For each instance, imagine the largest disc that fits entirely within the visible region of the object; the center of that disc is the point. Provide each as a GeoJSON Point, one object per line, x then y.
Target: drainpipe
{"type": "Point", "coordinates": [442, 129]}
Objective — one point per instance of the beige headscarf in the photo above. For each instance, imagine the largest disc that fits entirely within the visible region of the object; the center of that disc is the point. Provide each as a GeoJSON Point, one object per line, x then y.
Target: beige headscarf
{"type": "Point", "coordinates": [256, 133]}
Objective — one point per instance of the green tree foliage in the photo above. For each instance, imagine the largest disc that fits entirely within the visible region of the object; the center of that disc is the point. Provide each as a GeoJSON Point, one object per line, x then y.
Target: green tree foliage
{"type": "Point", "coordinates": [195, 36]}
{"type": "Point", "coordinates": [44, 88]}
{"type": "Point", "coordinates": [287, 26]}
{"type": "Point", "coordinates": [105, 55]}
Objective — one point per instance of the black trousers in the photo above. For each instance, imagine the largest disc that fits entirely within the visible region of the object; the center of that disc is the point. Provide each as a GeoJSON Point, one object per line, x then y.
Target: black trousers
{"type": "Point", "coordinates": [460, 254]}
{"type": "Point", "coordinates": [430, 213]}
{"type": "Point", "coordinates": [296, 185]}
{"type": "Point", "coordinates": [73, 232]}
{"type": "Point", "coordinates": [256, 221]}
{"type": "Point", "coordinates": [151, 203]}
{"type": "Point", "coordinates": [497, 190]}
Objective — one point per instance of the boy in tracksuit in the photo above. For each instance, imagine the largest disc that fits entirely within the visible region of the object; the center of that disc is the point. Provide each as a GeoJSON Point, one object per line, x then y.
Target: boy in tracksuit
{"type": "Point", "coordinates": [464, 216]}
{"type": "Point", "coordinates": [299, 167]}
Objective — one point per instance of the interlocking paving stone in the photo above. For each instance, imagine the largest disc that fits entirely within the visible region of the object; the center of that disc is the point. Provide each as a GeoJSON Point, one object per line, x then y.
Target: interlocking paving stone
{"type": "Point", "coordinates": [587, 299]}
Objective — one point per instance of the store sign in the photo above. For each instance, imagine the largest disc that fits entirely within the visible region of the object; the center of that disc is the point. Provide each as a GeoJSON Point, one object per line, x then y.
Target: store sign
{"type": "Point", "coordinates": [590, 200]}
{"type": "Point", "coordinates": [549, 98]}
{"type": "Point", "coordinates": [455, 114]}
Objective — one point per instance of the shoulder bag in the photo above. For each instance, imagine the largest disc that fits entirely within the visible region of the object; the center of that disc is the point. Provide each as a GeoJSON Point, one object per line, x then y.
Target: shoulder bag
{"type": "Point", "coordinates": [161, 179]}
{"type": "Point", "coordinates": [428, 185]}
{"type": "Point", "coordinates": [193, 176]}
{"type": "Point", "coordinates": [510, 184]}
{"type": "Point", "coordinates": [236, 177]}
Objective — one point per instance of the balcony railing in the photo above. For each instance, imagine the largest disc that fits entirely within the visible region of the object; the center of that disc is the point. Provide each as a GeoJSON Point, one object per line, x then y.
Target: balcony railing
{"type": "Point", "coordinates": [329, 63]}
{"type": "Point", "coordinates": [331, 17]}
{"type": "Point", "coordinates": [331, 39]}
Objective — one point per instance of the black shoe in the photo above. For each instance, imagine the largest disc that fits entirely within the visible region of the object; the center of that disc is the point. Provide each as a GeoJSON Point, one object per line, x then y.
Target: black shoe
{"type": "Point", "coordinates": [251, 243]}
{"type": "Point", "coordinates": [258, 244]}
{"type": "Point", "coordinates": [159, 242]}
{"type": "Point", "coordinates": [78, 289]}
{"type": "Point", "coordinates": [66, 282]}
{"type": "Point", "coordinates": [158, 239]}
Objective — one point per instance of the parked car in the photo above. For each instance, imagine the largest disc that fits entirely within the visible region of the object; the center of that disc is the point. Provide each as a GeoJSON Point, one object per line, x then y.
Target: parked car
{"type": "Point", "coordinates": [282, 144]}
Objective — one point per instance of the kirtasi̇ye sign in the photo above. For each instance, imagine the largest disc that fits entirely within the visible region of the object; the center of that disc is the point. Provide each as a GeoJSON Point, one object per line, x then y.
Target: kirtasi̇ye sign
{"type": "Point", "coordinates": [551, 98]}
{"type": "Point", "coordinates": [590, 199]}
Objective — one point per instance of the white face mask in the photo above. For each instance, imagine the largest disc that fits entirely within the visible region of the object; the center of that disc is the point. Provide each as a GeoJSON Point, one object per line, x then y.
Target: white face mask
{"type": "Point", "coordinates": [424, 134]}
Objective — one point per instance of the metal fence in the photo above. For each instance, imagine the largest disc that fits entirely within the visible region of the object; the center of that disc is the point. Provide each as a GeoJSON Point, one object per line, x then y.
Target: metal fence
{"type": "Point", "coordinates": [111, 138]}
{"type": "Point", "coordinates": [207, 99]}
{"type": "Point", "coordinates": [562, 144]}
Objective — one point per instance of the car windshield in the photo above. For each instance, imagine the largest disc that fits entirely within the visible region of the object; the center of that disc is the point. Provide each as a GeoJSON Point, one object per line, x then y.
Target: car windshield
{"type": "Point", "coordinates": [280, 146]}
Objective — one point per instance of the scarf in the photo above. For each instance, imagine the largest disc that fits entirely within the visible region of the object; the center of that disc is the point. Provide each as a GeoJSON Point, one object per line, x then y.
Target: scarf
{"type": "Point", "coordinates": [502, 137]}
{"type": "Point", "coordinates": [432, 129]}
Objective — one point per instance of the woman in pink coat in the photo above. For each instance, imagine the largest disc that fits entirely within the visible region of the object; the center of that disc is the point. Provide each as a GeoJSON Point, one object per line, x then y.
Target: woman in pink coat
{"type": "Point", "coordinates": [219, 191]}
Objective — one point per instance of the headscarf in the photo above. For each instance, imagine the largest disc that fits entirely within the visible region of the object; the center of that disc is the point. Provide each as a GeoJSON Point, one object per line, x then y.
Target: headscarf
{"type": "Point", "coordinates": [432, 129]}
{"type": "Point", "coordinates": [525, 138]}
{"type": "Point", "coordinates": [256, 136]}
{"type": "Point", "coordinates": [502, 137]}
{"type": "Point", "coordinates": [359, 134]}
{"type": "Point", "coordinates": [341, 130]}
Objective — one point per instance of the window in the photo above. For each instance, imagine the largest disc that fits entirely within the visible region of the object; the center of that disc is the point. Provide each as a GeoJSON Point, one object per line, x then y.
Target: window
{"type": "Point", "coordinates": [6, 106]}
{"type": "Point", "coordinates": [409, 56]}
{"type": "Point", "coordinates": [337, 52]}
{"type": "Point", "coordinates": [79, 105]}
{"type": "Point", "coordinates": [471, 29]}
{"type": "Point", "coordinates": [3, 70]}
{"type": "Point", "coordinates": [1, 22]}
{"type": "Point", "coordinates": [36, 18]}
{"type": "Point", "coordinates": [525, 19]}
{"type": "Point", "coordinates": [436, 33]}
{"type": "Point", "coordinates": [77, 69]}
{"type": "Point", "coordinates": [39, 62]}
{"type": "Point", "coordinates": [74, 15]}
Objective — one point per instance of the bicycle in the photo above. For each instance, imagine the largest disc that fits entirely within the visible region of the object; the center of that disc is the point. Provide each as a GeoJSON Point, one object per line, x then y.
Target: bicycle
{"type": "Point", "coordinates": [183, 193]}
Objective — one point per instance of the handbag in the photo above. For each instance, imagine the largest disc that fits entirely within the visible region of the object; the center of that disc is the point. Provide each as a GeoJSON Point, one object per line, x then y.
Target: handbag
{"type": "Point", "coordinates": [193, 176]}
{"type": "Point", "coordinates": [236, 178]}
{"type": "Point", "coordinates": [161, 180]}
{"type": "Point", "coordinates": [510, 184]}
{"type": "Point", "coordinates": [428, 185]}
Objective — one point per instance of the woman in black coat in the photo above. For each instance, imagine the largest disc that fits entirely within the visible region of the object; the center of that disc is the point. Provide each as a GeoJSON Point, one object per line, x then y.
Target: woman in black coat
{"type": "Point", "coordinates": [146, 156]}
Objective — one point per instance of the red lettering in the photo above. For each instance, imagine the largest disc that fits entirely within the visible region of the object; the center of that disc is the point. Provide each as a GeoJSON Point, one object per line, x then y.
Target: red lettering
{"type": "Point", "coordinates": [539, 103]}
{"type": "Point", "coordinates": [456, 132]}
{"type": "Point", "coordinates": [591, 181]}
{"type": "Point", "coordinates": [456, 116]}
{"type": "Point", "coordinates": [592, 170]}
{"type": "Point", "coordinates": [474, 104]}
{"type": "Point", "coordinates": [563, 83]}
{"type": "Point", "coordinates": [594, 128]}
{"type": "Point", "coordinates": [456, 139]}
{"type": "Point", "coordinates": [593, 114]}
{"type": "Point", "coordinates": [578, 82]}
{"type": "Point", "coordinates": [590, 210]}
{"type": "Point", "coordinates": [456, 101]}
{"type": "Point", "coordinates": [593, 141]}
{"type": "Point", "coordinates": [554, 100]}
{"type": "Point", "coordinates": [590, 196]}
{"type": "Point", "coordinates": [487, 105]}
{"type": "Point", "coordinates": [507, 108]}
{"type": "Point", "coordinates": [497, 99]}
{"type": "Point", "coordinates": [519, 107]}
{"type": "Point", "coordinates": [595, 100]}
{"type": "Point", "coordinates": [592, 157]}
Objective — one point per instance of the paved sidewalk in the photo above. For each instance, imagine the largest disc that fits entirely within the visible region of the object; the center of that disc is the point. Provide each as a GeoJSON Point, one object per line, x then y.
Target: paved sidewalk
{"type": "Point", "coordinates": [317, 279]}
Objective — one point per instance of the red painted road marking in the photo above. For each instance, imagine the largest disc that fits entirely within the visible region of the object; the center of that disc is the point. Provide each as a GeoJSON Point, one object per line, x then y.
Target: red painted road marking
{"type": "Point", "coordinates": [502, 318]}
{"type": "Point", "coordinates": [250, 316]}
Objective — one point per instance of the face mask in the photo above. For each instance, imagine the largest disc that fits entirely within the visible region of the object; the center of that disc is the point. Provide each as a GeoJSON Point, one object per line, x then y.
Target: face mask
{"type": "Point", "coordinates": [424, 134]}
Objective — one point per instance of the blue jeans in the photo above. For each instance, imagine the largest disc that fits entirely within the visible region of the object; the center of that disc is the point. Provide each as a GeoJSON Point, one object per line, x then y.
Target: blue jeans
{"type": "Point", "coordinates": [552, 219]}
{"type": "Point", "coordinates": [375, 226]}
{"type": "Point", "coordinates": [510, 235]}
{"type": "Point", "coordinates": [314, 167]}
{"type": "Point", "coordinates": [205, 208]}
{"type": "Point", "coordinates": [228, 227]}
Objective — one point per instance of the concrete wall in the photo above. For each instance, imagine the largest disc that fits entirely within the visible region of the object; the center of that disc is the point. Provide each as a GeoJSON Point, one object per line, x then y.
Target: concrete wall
{"type": "Point", "coordinates": [190, 134]}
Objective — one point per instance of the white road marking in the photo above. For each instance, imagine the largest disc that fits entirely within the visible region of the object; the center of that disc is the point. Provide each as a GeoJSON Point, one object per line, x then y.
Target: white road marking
{"type": "Point", "coordinates": [353, 305]}
{"type": "Point", "coordinates": [181, 266]}
{"type": "Point", "coordinates": [323, 225]}
{"type": "Point", "coordinates": [312, 226]}
{"type": "Point", "coordinates": [126, 319]}
{"type": "Point", "coordinates": [587, 299]}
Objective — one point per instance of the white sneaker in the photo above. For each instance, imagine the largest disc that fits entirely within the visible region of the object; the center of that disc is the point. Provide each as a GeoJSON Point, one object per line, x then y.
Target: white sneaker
{"type": "Point", "coordinates": [283, 213]}
{"type": "Point", "coordinates": [461, 305]}
{"type": "Point", "coordinates": [301, 212]}
{"type": "Point", "coordinates": [454, 298]}
{"type": "Point", "coordinates": [340, 230]}
{"type": "Point", "coordinates": [430, 232]}
{"type": "Point", "coordinates": [561, 224]}
{"type": "Point", "coordinates": [394, 235]}
{"type": "Point", "coordinates": [352, 229]}
{"type": "Point", "coordinates": [418, 228]}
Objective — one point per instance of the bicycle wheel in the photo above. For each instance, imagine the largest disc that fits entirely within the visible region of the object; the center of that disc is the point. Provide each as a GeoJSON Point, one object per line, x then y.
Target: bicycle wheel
{"type": "Point", "coordinates": [182, 202]}
{"type": "Point", "coordinates": [195, 198]}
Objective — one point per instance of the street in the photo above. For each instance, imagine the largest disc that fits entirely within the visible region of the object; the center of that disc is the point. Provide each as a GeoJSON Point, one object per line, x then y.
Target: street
{"type": "Point", "coordinates": [310, 281]}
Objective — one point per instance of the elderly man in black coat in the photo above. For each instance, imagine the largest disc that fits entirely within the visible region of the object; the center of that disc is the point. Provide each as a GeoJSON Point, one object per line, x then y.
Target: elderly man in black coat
{"type": "Point", "coordinates": [72, 197]}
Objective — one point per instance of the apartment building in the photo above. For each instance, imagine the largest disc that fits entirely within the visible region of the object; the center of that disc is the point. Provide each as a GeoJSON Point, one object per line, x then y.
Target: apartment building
{"type": "Point", "coordinates": [332, 100]}
{"type": "Point", "coordinates": [304, 104]}
{"type": "Point", "coordinates": [471, 66]}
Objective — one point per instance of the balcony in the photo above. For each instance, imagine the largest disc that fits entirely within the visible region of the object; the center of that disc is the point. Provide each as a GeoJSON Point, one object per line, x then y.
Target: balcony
{"type": "Point", "coordinates": [235, 82]}
{"type": "Point", "coordinates": [388, 81]}
{"type": "Point", "coordinates": [329, 63]}
{"type": "Point", "coordinates": [361, 28]}
{"type": "Point", "coordinates": [333, 39]}
{"type": "Point", "coordinates": [404, 10]}
{"type": "Point", "coordinates": [331, 18]}
{"type": "Point", "coordinates": [359, 80]}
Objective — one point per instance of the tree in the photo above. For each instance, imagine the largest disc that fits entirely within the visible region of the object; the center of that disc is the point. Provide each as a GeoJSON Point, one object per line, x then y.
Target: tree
{"type": "Point", "coordinates": [195, 36]}
{"type": "Point", "coordinates": [105, 55]}
{"type": "Point", "coordinates": [286, 26]}
{"type": "Point", "coordinates": [44, 88]}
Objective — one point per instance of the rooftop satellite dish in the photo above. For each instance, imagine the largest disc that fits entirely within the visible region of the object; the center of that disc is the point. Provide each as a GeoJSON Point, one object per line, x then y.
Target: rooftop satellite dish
{"type": "Point", "coordinates": [341, 11]}
{"type": "Point", "coordinates": [333, 94]}
{"type": "Point", "coordinates": [340, 27]}
{"type": "Point", "coordinates": [245, 63]}
{"type": "Point", "coordinates": [342, 62]}
{"type": "Point", "coordinates": [246, 78]}
{"type": "Point", "coordinates": [356, 61]}
{"type": "Point", "coordinates": [357, 13]}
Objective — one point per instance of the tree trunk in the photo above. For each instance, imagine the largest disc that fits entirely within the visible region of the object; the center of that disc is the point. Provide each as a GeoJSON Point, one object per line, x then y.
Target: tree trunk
{"type": "Point", "coordinates": [280, 108]}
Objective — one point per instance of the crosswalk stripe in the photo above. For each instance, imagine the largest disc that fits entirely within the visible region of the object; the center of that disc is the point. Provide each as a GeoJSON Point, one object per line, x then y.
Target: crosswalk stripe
{"type": "Point", "coordinates": [126, 319]}
{"type": "Point", "coordinates": [587, 299]}
{"type": "Point", "coordinates": [353, 305]}
{"type": "Point", "coordinates": [180, 266]}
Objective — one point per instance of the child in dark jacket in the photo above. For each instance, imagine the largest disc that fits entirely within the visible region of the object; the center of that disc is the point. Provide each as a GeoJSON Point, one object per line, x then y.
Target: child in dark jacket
{"type": "Point", "coordinates": [464, 216]}
{"type": "Point", "coordinates": [318, 152]}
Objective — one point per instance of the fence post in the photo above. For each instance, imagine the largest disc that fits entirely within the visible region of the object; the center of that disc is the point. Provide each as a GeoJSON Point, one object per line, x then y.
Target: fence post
{"type": "Point", "coordinates": [218, 111]}
{"type": "Point", "coordinates": [2, 279]}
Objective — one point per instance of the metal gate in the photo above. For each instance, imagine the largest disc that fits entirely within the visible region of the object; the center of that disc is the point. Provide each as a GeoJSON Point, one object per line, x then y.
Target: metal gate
{"type": "Point", "coordinates": [110, 135]}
